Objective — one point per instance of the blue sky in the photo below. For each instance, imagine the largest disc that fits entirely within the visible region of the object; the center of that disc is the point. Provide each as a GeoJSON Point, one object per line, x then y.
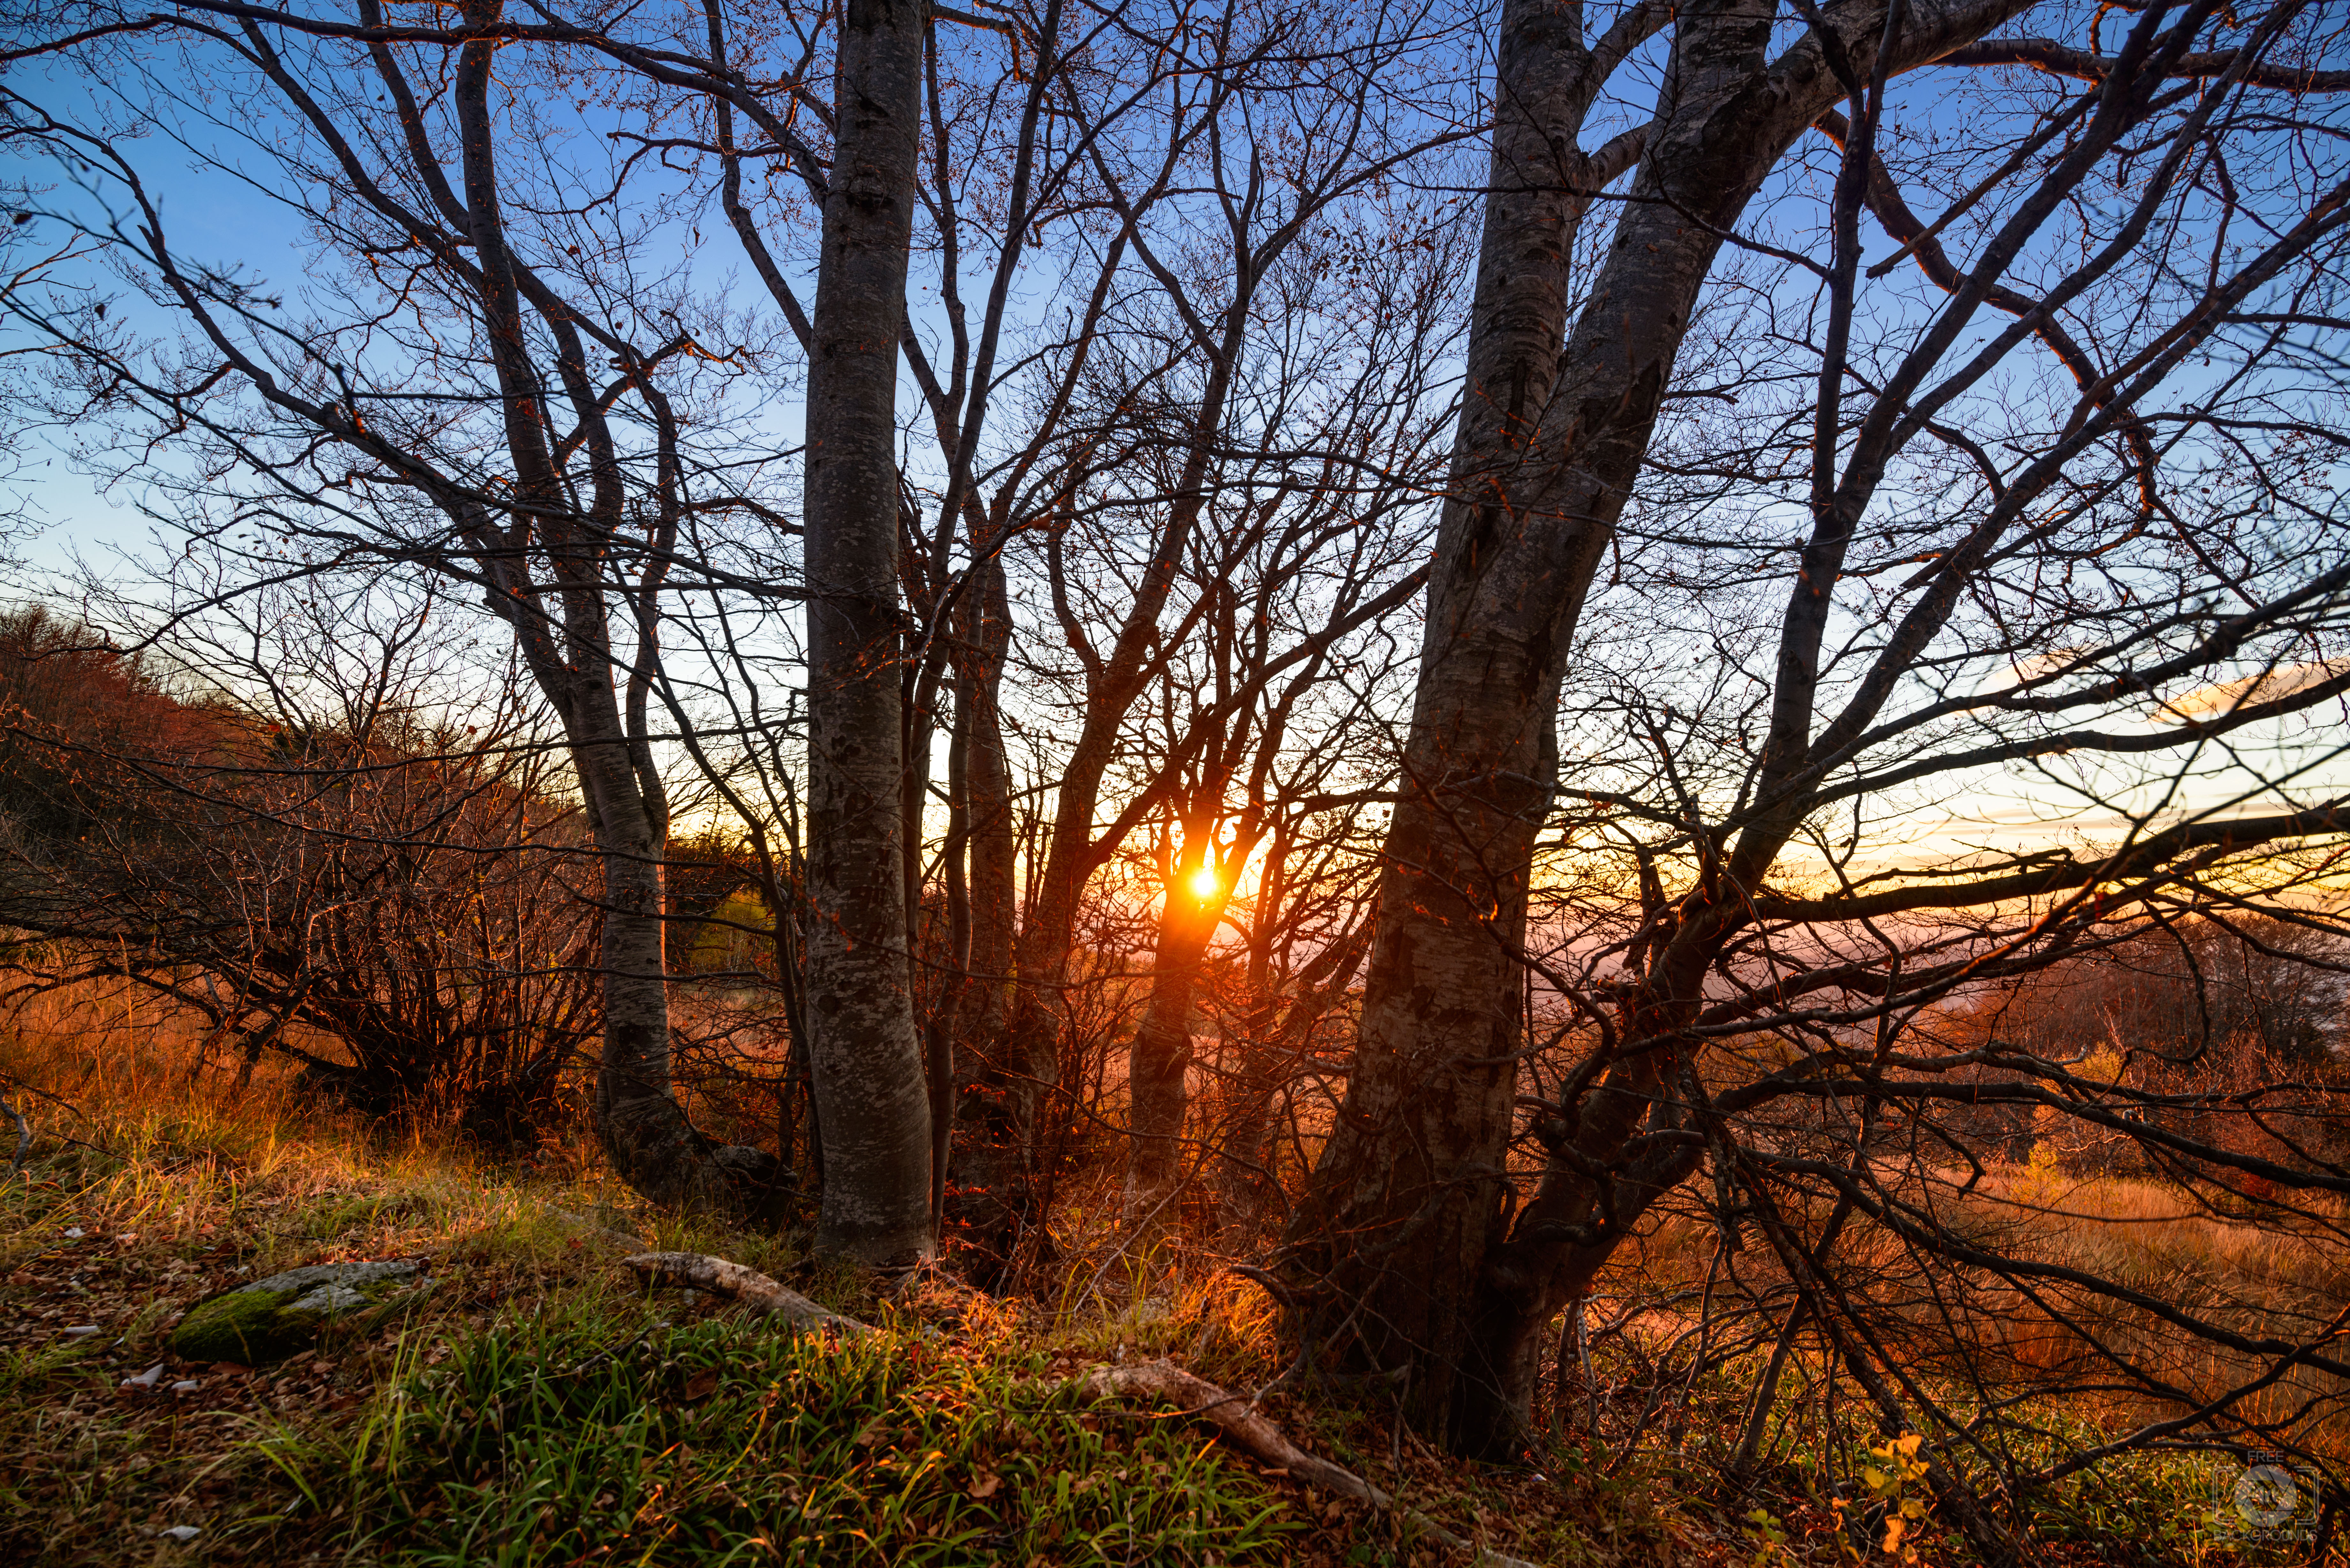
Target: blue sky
{"type": "Point", "coordinates": [215, 215]}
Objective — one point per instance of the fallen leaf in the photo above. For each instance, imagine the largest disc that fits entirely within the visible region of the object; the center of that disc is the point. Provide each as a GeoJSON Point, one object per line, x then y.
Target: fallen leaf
{"type": "Point", "coordinates": [703, 1385]}
{"type": "Point", "coordinates": [986, 1484]}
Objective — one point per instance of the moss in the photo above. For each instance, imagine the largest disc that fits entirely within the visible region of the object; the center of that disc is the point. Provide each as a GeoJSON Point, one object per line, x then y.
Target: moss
{"type": "Point", "coordinates": [250, 1326]}
{"type": "Point", "coordinates": [272, 1319]}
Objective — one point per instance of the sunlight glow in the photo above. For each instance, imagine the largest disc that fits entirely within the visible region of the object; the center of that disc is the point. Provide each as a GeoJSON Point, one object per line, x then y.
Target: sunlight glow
{"type": "Point", "coordinates": [1205, 883]}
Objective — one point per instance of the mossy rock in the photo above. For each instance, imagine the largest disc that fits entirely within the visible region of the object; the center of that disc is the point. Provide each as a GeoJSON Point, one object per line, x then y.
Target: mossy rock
{"type": "Point", "coordinates": [272, 1319]}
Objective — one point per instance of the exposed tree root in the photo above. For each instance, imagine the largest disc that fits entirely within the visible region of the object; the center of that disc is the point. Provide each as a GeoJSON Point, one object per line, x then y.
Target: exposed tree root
{"type": "Point", "coordinates": [1253, 1435]}
{"type": "Point", "coordinates": [1231, 1413]}
{"type": "Point", "coordinates": [752, 1288]}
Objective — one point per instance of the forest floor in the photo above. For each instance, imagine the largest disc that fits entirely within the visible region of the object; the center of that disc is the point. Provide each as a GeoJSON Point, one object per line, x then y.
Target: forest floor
{"type": "Point", "coordinates": [537, 1405]}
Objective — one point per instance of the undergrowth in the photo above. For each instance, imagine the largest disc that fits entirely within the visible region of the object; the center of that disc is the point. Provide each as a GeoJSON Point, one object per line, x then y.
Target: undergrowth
{"type": "Point", "coordinates": [536, 1407]}
{"type": "Point", "coordinates": [597, 1430]}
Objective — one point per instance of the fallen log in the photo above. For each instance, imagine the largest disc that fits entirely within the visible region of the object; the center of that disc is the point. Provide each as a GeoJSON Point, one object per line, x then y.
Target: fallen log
{"type": "Point", "coordinates": [752, 1288]}
{"type": "Point", "coordinates": [1234, 1415]}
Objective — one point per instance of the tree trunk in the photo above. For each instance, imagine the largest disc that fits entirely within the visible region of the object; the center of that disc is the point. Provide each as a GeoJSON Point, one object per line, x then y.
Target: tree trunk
{"type": "Point", "coordinates": [994, 852]}
{"type": "Point", "coordinates": [643, 1130]}
{"type": "Point", "coordinates": [1413, 1175]}
{"type": "Point", "coordinates": [1244, 1129]}
{"type": "Point", "coordinates": [865, 1053]}
{"type": "Point", "coordinates": [1161, 1057]}
{"type": "Point", "coordinates": [995, 1093]}
{"type": "Point", "coordinates": [1048, 938]}
{"type": "Point", "coordinates": [1404, 1252]}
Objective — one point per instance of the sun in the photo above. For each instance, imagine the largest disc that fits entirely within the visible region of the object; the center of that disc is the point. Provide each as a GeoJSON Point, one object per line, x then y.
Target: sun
{"type": "Point", "coordinates": [1205, 883]}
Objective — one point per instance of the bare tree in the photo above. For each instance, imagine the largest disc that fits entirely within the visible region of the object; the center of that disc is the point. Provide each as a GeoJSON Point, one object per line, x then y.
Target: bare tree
{"type": "Point", "coordinates": [862, 1042]}
{"type": "Point", "coordinates": [1946, 498]}
{"type": "Point", "coordinates": [1754, 552]}
{"type": "Point", "coordinates": [1090, 440]}
{"type": "Point", "coordinates": [1294, 571]}
{"type": "Point", "coordinates": [465, 402]}
{"type": "Point", "coordinates": [595, 539]}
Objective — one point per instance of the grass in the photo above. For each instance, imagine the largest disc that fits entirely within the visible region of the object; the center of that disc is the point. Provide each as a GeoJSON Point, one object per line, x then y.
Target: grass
{"type": "Point", "coordinates": [537, 1407]}
{"type": "Point", "coordinates": [2148, 1508]}
{"type": "Point", "coordinates": [599, 1430]}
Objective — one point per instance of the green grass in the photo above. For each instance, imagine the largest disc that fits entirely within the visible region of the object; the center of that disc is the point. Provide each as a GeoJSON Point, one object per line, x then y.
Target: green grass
{"type": "Point", "coordinates": [597, 1430]}
{"type": "Point", "coordinates": [537, 1405]}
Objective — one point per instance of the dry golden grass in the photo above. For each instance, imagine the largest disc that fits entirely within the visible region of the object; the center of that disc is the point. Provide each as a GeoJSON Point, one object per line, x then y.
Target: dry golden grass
{"type": "Point", "coordinates": [183, 1179]}
{"type": "Point", "coordinates": [175, 1150]}
{"type": "Point", "coordinates": [2149, 1235]}
{"type": "Point", "coordinates": [2263, 1272]}
{"type": "Point", "coordinates": [181, 1182]}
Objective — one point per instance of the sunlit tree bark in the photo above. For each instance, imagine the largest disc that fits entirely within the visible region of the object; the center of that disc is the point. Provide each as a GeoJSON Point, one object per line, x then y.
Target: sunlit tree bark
{"type": "Point", "coordinates": [869, 1083]}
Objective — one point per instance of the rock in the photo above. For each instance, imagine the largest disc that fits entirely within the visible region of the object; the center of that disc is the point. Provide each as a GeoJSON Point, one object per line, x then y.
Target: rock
{"type": "Point", "coordinates": [328, 1299]}
{"type": "Point", "coordinates": [269, 1320]}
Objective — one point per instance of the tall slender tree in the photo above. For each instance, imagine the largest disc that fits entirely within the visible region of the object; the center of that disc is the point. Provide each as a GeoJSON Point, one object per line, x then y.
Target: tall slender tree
{"type": "Point", "coordinates": [867, 1056]}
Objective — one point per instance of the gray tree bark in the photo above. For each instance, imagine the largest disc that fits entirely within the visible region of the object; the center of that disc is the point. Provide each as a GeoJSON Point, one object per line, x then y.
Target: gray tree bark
{"type": "Point", "coordinates": [564, 635]}
{"type": "Point", "coordinates": [994, 1080]}
{"type": "Point", "coordinates": [1402, 1252]}
{"type": "Point", "coordinates": [864, 1050]}
{"type": "Point", "coordinates": [994, 851]}
{"type": "Point", "coordinates": [968, 1034]}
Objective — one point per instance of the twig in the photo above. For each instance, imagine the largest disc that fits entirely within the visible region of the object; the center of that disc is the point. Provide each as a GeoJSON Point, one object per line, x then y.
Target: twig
{"type": "Point", "coordinates": [1267, 1282]}
{"type": "Point", "coordinates": [1234, 1417]}
{"type": "Point", "coordinates": [17, 1083]}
